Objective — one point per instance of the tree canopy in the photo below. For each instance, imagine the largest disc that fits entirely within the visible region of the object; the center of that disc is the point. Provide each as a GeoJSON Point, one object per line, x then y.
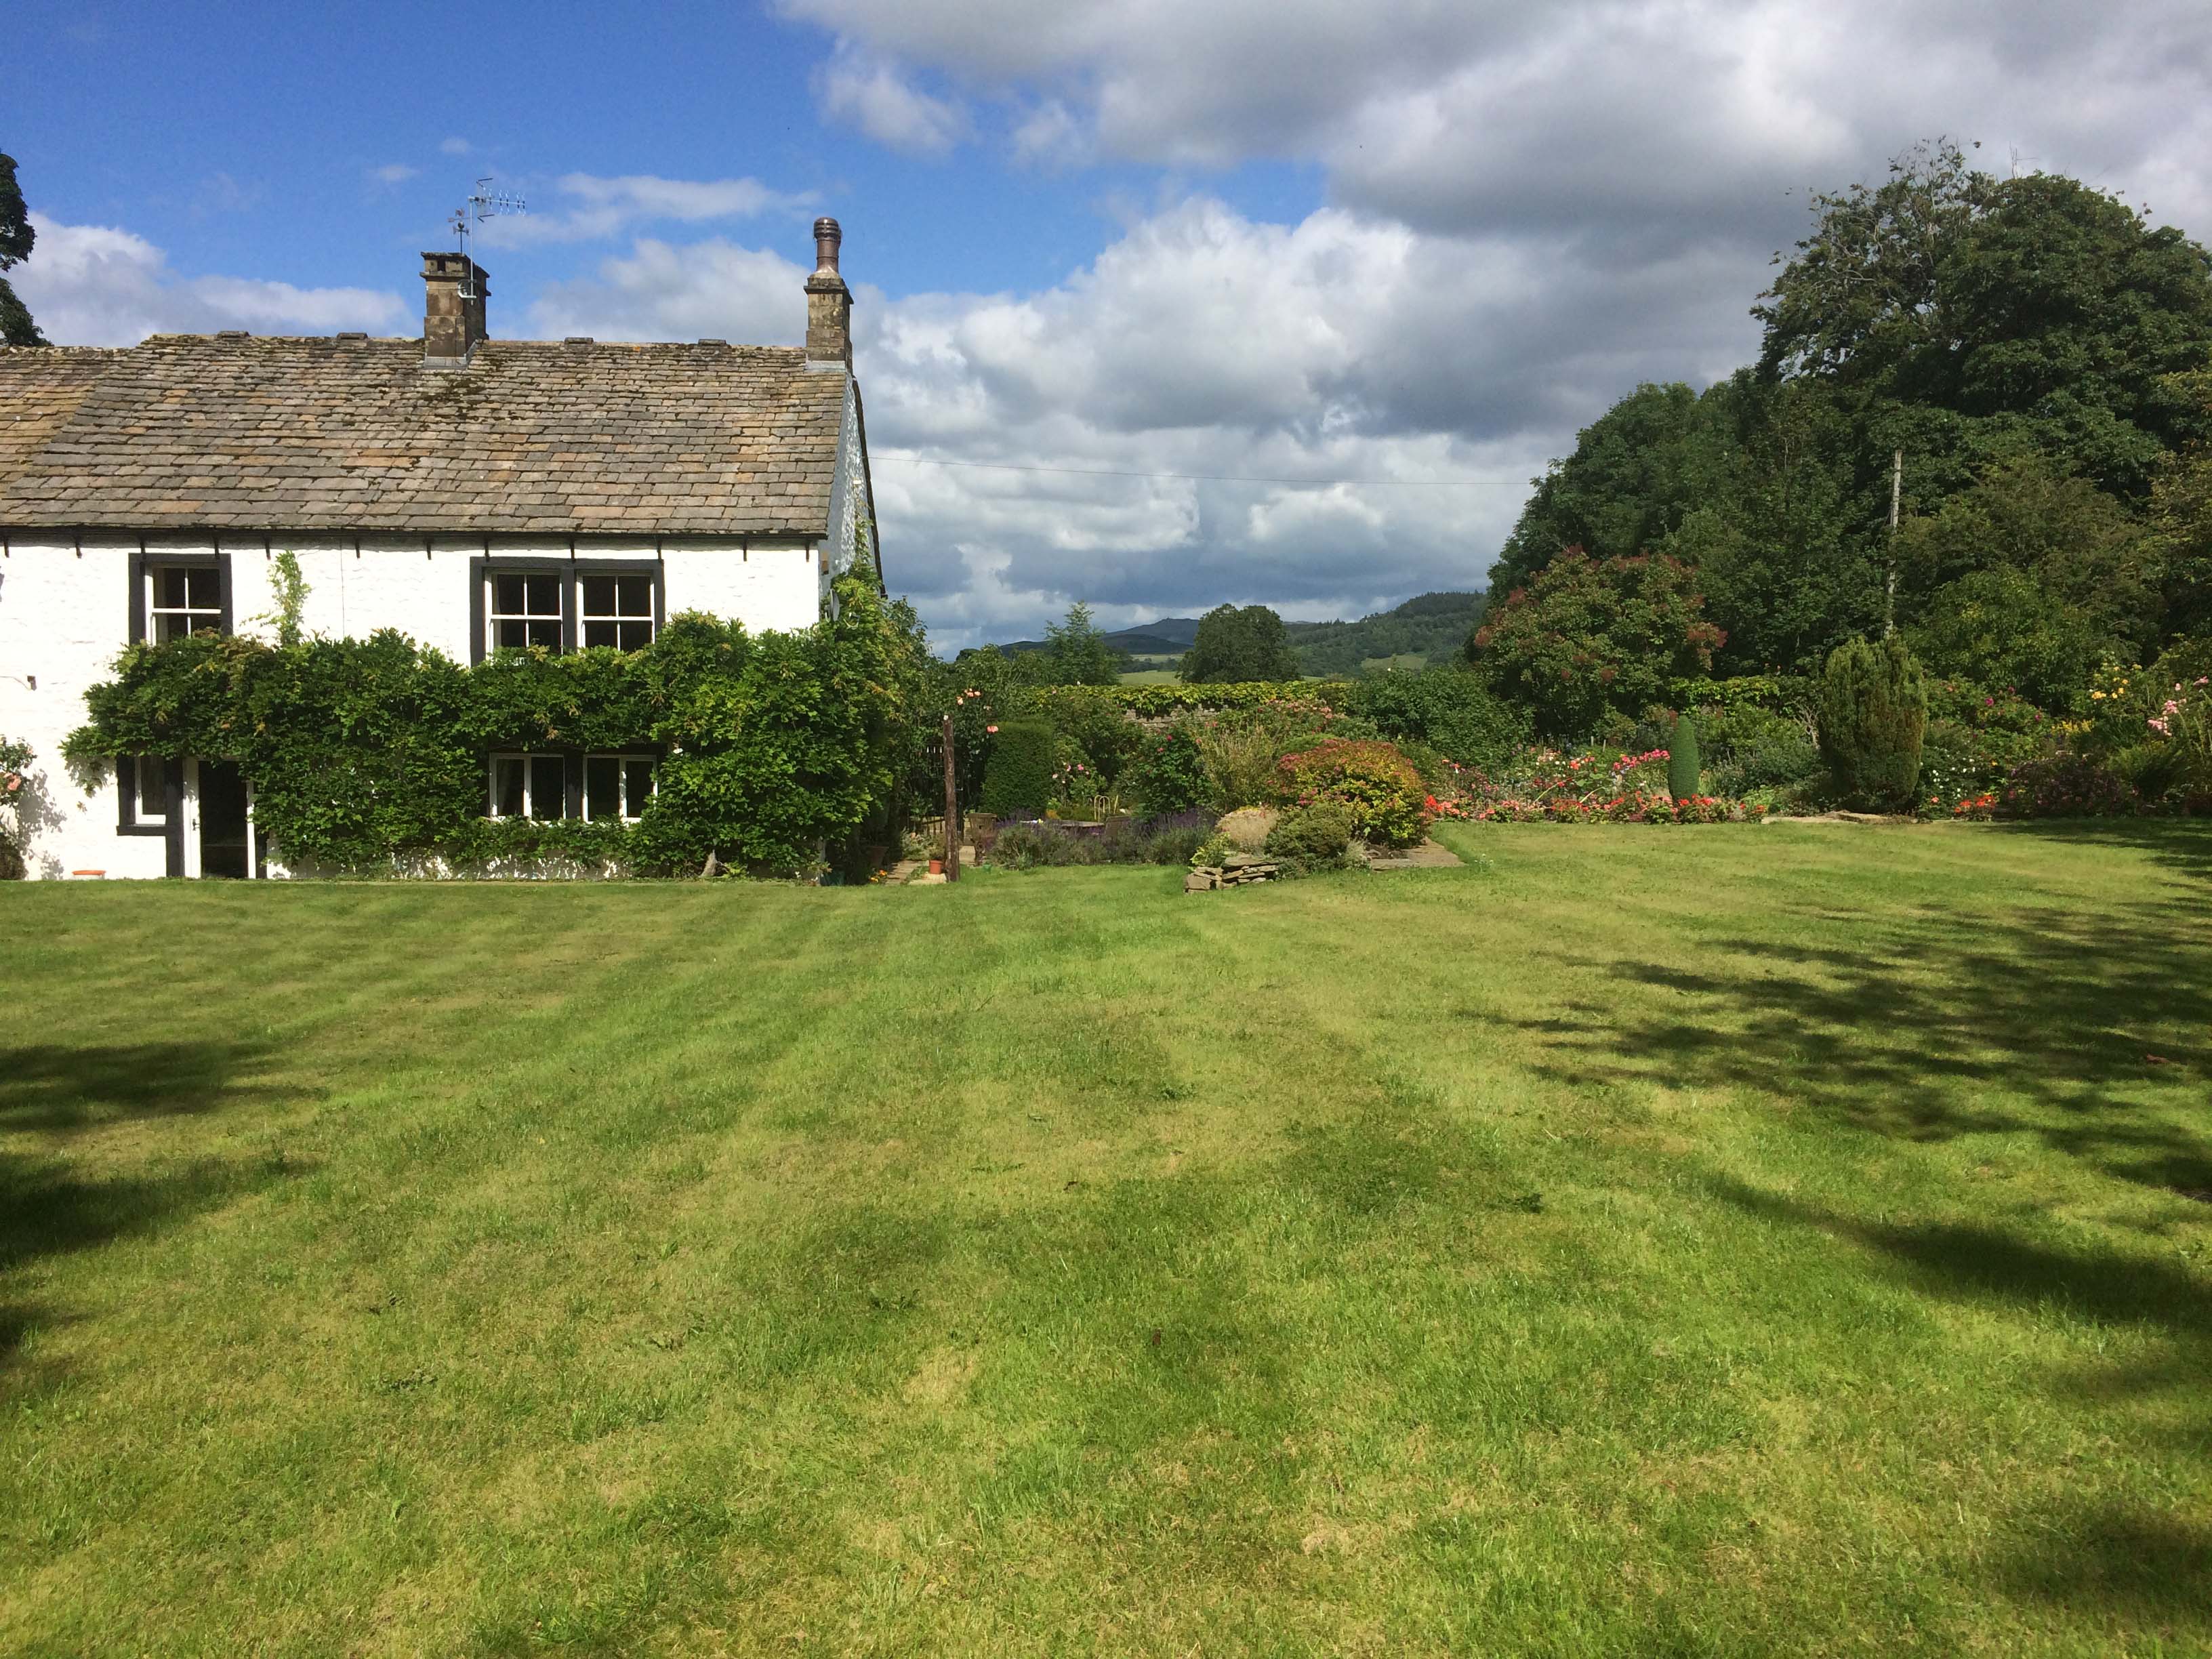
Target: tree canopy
{"type": "Point", "coordinates": [1234, 644]}
{"type": "Point", "coordinates": [17, 236]}
{"type": "Point", "coordinates": [2042, 358]}
{"type": "Point", "coordinates": [1079, 652]}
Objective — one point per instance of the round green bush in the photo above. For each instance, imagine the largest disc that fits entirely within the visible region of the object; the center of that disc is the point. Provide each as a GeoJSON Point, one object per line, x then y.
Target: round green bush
{"type": "Point", "coordinates": [1317, 834]}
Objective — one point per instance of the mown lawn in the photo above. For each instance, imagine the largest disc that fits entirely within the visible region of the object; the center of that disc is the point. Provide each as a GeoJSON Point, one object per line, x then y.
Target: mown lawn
{"type": "Point", "coordinates": [1727, 1241]}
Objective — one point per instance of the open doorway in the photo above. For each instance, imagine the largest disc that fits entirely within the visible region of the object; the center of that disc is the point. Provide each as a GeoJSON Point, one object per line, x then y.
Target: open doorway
{"type": "Point", "coordinates": [226, 832]}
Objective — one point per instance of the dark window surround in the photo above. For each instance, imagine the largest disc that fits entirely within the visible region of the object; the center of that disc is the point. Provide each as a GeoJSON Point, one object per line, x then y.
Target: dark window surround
{"type": "Point", "coordinates": [142, 562]}
{"type": "Point", "coordinates": [172, 801]}
{"type": "Point", "coordinates": [480, 569]}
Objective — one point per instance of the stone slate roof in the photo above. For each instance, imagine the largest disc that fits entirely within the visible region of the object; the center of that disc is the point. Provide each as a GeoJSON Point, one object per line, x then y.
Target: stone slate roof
{"type": "Point", "coordinates": [227, 431]}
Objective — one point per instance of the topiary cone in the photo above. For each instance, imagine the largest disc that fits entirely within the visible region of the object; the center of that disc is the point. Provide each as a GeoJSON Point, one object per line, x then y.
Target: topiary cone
{"type": "Point", "coordinates": [1683, 765]}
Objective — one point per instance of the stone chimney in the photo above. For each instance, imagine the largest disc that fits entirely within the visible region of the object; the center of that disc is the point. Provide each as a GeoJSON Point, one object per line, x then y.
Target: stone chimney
{"type": "Point", "coordinates": [452, 323]}
{"type": "Point", "coordinates": [829, 302]}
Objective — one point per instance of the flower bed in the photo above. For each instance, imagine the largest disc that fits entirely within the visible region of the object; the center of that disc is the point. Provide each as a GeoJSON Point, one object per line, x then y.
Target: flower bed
{"type": "Point", "coordinates": [1545, 786]}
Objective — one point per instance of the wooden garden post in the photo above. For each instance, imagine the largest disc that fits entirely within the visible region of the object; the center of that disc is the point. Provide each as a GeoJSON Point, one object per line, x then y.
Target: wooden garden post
{"type": "Point", "coordinates": [951, 811]}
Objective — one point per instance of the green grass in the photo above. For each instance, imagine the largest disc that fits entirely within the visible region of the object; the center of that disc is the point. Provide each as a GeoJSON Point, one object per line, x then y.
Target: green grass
{"type": "Point", "coordinates": [1165, 674]}
{"type": "Point", "coordinates": [1746, 1240]}
{"type": "Point", "coordinates": [1410, 662]}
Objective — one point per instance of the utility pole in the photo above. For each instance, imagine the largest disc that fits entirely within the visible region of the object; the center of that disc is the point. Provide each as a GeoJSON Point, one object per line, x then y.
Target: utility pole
{"type": "Point", "coordinates": [951, 811]}
{"type": "Point", "coordinates": [1896, 491]}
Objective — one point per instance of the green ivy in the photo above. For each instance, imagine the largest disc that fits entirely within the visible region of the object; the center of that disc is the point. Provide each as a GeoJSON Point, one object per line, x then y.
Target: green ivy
{"type": "Point", "coordinates": [366, 754]}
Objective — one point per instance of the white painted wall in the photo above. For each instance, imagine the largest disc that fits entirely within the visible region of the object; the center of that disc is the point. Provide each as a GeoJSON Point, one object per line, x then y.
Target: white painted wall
{"type": "Point", "coordinates": [64, 614]}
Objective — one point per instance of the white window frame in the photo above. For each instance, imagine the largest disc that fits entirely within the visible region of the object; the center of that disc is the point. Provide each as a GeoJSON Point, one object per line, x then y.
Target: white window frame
{"type": "Point", "coordinates": [629, 809]}
{"type": "Point", "coordinates": [617, 618]}
{"type": "Point", "coordinates": [531, 620]}
{"type": "Point", "coordinates": [528, 760]}
{"type": "Point", "coordinates": [210, 616]}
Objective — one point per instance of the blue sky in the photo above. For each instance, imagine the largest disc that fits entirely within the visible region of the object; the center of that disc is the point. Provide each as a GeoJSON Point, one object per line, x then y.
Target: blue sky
{"type": "Point", "coordinates": [1399, 251]}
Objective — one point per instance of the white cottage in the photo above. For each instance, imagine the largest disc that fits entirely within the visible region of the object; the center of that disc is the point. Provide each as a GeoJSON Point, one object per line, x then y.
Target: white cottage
{"type": "Point", "coordinates": [471, 492]}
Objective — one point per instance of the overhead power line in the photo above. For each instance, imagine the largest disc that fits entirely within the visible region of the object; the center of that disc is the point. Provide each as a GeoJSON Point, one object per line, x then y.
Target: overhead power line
{"type": "Point", "coordinates": [1219, 478]}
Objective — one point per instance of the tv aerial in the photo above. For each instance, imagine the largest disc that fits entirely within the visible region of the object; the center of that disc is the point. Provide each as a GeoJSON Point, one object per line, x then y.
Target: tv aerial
{"type": "Point", "coordinates": [484, 202]}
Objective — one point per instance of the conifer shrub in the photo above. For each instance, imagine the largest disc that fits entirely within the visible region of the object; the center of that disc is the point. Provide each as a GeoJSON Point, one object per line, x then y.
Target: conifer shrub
{"type": "Point", "coordinates": [1872, 719]}
{"type": "Point", "coordinates": [1683, 766]}
{"type": "Point", "coordinates": [1019, 779]}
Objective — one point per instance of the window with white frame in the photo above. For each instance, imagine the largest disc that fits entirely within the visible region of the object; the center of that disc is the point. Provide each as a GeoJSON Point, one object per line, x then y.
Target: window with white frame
{"type": "Point", "coordinates": [525, 609]}
{"type": "Point", "coordinates": [529, 786]}
{"type": "Point", "coordinates": [182, 600]}
{"type": "Point", "coordinates": [142, 782]}
{"type": "Point", "coordinates": [617, 610]}
{"type": "Point", "coordinates": [616, 786]}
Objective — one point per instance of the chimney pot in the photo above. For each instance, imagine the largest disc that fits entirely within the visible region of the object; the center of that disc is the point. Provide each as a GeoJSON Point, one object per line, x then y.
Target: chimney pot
{"type": "Point", "coordinates": [827, 236]}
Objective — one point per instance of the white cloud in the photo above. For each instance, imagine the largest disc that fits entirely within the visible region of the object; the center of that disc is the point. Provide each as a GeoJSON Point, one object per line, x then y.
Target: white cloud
{"type": "Point", "coordinates": [1629, 116]}
{"type": "Point", "coordinates": [454, 146]}
{"type": "Point", "coordinates": [96, 285]}
{"type": "Point", "coordinates": [1200, 342]}
{"type": "Point", "coordinates": [394, 172]}
{"type": "Point", "coordinates": [661, 292]}
{"type": "Point", "coordinates": [1052, 135]}
{"type": "Point", "coordinates": [606, 207]}
{"type": "Point", "coordinates": [877, 97]}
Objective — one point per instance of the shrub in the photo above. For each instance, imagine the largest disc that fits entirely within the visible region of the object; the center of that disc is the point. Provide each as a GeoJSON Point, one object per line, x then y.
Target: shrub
{"type": "Point", "coordinates": [1028, 847]}
{"type": "Point", "coordinates": [1449, 709]}
{"type": "Point", "coordinates": [1873, 718]}
{"type": "Point", "coordinates": [1172, 846]}
{"type": "Point", "coordinates": [2003, 627]}
{"type": "Point", "coordinates": [2153, 770]}
{"type": "Point", "coordinates": [1240, 758]}
{"type": "Point", "coordinates": [2063, 786]}
{"type": "Point", "coordinates": [1380, 787]}
{"type": "Point", "coordinates": [1313, 835]}
{"type": "Point", "coordinates": [1683, 770]}
{"type": "Point", "coordinates": [1018, 778]}
{"type": "Point", "coordinates": [1587, 637]}
{"type": "Point", "coordinates": [1170, 773]}
{"type": "Point", "coordinates": [1212, 850]}
{"type": "Point", "coordinates": [14, 761]}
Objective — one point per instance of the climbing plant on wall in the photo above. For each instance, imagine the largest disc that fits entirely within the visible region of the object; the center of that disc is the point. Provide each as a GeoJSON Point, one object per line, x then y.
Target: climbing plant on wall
{"type": "Point", "coordinates": [363, 753]}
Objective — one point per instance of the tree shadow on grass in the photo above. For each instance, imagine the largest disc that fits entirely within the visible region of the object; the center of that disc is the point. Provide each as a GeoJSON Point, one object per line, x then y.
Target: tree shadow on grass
{"type": "Point", "coordinates": [2091, 1030]}
{"type": "Point", "coordinates": [2183, 846]}
{"type": "Point", "coordinates": [54, 1097]}
{"type": "Point", "coordinates": [2129, 1564]}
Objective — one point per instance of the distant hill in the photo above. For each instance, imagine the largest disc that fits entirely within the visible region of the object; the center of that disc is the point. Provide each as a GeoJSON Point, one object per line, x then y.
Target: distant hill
{"type": "Point", "coordinates": [1171, 636]}
{"type": "Point", "coordinates": [1433, 626]}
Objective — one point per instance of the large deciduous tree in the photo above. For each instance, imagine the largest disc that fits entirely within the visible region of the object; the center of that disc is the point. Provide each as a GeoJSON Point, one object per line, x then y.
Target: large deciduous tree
{"type": "Point", "coordinates": [1234, 644]}
{"type": "Point", "coordinates": [2034, 349]}
{"type": "Point", "coordinates": [17, 235]}
{"type": "Point", "coordinates": [1965, 318]}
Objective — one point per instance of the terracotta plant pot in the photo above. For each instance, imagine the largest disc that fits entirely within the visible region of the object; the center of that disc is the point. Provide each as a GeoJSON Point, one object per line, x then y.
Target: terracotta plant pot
{"type": "Point", "coordinates": [937, 867]}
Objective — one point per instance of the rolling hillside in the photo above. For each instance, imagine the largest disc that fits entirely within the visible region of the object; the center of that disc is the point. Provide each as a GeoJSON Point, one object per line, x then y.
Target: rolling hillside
{"type": "Point", "coordinates": [1431, 627]}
